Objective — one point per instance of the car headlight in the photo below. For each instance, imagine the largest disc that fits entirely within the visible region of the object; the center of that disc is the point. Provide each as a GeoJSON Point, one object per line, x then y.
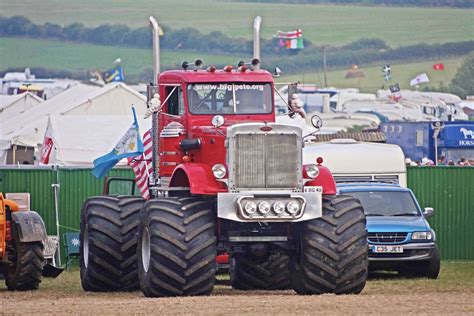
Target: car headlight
{"type": "Point", "coordinates": [219, 171]}
{"type": "Point", "coordinates": [312, 171]}
{"type": "Point", "coordinates": [421, 236]}
{"type": "Point", "coordinates": [264, 207]}
{"type": "Point", "coordinates": [293, 207]}
{"type": "Point", "coordinates": [250, 207]}
{"type": "Point", "coordinates": [278, 207]}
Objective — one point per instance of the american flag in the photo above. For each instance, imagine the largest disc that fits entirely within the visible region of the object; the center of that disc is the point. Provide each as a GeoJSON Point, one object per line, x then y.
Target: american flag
{"type": "Point", "coordinates": [142, 165]}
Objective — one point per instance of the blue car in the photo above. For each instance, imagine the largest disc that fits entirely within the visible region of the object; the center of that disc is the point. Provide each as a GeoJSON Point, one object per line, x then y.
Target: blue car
{"type": "Point", "coordinates": [400, 238]}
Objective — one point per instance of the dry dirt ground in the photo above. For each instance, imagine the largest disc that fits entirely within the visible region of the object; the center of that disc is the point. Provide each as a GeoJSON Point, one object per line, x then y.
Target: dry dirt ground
{"type": "Point", "coordinates": [452, 293]}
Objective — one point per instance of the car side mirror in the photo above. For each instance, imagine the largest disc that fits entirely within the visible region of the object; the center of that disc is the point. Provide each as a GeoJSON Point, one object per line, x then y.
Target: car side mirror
{"type": "Point", "coordinates": [428, 212]}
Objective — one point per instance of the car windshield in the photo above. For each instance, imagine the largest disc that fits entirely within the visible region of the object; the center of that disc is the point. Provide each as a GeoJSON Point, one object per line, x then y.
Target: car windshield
{"type": "Point", "coordinates": [387, 203]}
{"type": "Point", "coordinates": [219, 98]}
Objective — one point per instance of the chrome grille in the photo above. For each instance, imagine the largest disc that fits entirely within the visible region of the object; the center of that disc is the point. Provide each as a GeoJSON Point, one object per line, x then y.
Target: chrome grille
{"type": "Point", "coordinates": [266, 160]}
{"type": "Point", "coordinates": [387, 237]}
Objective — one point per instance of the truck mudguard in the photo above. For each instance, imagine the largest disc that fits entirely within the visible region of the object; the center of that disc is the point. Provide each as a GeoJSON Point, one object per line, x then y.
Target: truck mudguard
{"type": "Point", "coordinates": [198, 177]}
{"type": "Point", "coordinates": [325, 180]}
{"type": "Point", "coordinates": [29, 225]}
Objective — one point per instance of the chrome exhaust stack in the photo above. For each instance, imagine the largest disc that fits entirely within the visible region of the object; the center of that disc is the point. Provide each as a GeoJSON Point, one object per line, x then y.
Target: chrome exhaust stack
{"type": "Point", "coordinates": [152, 89]}
{"type": "Point", "coordinates": [257, 22]}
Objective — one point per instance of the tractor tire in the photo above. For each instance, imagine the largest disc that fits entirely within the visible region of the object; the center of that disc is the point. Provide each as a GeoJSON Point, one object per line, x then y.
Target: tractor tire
{"type": "Point", "coordinates": [333, 254]}
{"type": "Point", "coordinates": [109, 243]}
{"type": "Point", "coordinates": [422, 269]}
{"type": "Point", "coordinates": [177, 247]}
{"type": "Point", "coordinates": [250, 273]}
{"type": "Point", "coordinates": [26, 272]}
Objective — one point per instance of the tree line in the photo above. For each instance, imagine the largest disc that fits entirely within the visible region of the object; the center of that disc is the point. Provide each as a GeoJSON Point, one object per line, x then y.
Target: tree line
{"type": "Point", "coordinates": [392, 3]}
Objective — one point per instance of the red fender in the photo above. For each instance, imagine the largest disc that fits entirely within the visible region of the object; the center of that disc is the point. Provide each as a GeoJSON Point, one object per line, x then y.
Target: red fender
{"type": "Point", "coordinates": [198, 177]}
{"type": "Point", "coordinates": [325, 180]}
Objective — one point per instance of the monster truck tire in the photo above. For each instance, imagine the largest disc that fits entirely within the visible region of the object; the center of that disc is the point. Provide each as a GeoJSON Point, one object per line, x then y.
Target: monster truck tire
{"type": "Point", "coordinates": [333, 249]}
{"type": "Point", "coordinates": [423, 269]}
{"type": "Point", "coordinates": [250, 273]}
{"type": "Point", "coordinates": [28, 261]}
{"type": "Point", "coordinates": [109, 243]}
{"type": "Point", "coordinates": [177, 247]}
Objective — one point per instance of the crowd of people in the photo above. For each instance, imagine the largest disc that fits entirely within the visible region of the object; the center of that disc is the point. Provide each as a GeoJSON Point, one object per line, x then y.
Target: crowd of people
{"type": "Point", "coordinates": [442, 161]}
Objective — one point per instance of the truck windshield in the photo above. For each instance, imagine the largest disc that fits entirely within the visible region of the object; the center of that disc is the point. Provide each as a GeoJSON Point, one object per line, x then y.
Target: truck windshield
{"type": "Point", "coordinates": [387, 203]}
{"type": "Point", "coordinates": [219, 98]}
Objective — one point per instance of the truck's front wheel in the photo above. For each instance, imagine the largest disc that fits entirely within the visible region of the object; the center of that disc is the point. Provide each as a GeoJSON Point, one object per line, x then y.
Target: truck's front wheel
{"type": "Point", "coordinates": [109, 243]}
{"type": "Point", "coordinates": [333, 252]}
{"type": "Point", "coordinates": [177, 247]}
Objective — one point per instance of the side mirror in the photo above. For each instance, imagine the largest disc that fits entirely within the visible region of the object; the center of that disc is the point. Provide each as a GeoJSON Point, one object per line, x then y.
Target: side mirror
{"type": "Point", "coordinates": [317, 122]}
{"type": "Point", "coordinates": [428, 212]}
{"type": "Point", "coordinates": [292, 89]}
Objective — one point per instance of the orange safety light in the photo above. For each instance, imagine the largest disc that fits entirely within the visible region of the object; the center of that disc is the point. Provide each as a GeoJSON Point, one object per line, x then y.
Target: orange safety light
{"type": "Point", "coordinates": [211, 68]}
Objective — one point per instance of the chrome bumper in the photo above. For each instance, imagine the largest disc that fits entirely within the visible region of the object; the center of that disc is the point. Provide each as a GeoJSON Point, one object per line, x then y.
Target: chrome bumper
{"type": "Point", "coordinates": [411, 252]}
{"type": "Point", "coordinates": [228, 206]}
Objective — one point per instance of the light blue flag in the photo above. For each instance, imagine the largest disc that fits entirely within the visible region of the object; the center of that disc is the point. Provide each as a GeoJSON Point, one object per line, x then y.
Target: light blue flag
{"type": "Point", "coordinates": [128, 146]}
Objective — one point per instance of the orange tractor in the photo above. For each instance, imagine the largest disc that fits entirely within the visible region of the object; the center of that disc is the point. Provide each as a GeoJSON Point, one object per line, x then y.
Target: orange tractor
{"type": "Point", "coordinates": [21, 246]}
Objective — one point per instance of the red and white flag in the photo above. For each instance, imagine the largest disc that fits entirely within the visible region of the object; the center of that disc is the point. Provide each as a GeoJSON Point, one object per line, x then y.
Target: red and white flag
{"type": "Point", "coordinates": [47, 146]}
{"type": "Point", "coordinates": [142, 166]}
{"type": "Point", "coordinates": [439, 66]}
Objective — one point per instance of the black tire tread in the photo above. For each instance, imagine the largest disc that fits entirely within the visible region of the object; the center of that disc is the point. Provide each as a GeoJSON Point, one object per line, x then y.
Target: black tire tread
{"type": "Point", "coordinates": [183, 247]}
{"type": "Point", "coordinates": [248, 273]}
{"type": "Point", "coordinates": [26, 273]}
{"type": "Point", "coordinates": [334, 256]}
{"type": "Point", "coordinates": [112, 222]}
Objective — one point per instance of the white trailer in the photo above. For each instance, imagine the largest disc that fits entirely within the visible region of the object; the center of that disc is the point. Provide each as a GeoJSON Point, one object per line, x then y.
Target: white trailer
{"type": "Point", "coordinates": [353, 161]}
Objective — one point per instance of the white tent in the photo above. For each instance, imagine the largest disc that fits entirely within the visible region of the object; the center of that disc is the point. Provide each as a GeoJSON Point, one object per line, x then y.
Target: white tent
{"type": "Point", "coordinates": [78, 140]}
{"type": "Point", "coordinates": [28, 128]}
{"type": "Point", "coordinates": [12, 105]}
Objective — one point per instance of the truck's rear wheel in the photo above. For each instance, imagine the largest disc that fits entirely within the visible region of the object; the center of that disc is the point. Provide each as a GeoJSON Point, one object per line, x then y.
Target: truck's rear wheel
{"type": "Point", "coordinates": [27, 268]}
{"type": "Point", "coordinates": [177, 247]}
{"type": "Point", "coordinates": [250, 273]}
{"type": "Point", "coordinates": [109, 243]}
{"type": "Point", "coordinates": [333, 250]}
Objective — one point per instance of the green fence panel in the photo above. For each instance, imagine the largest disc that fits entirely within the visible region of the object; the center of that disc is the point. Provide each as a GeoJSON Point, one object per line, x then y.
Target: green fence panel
{"type": "Point", "coordinates": [450, 191]}
{"type": "Point", "coordinates": [75, 185]}
{"type": "Point", "coordinates": [37, 182]}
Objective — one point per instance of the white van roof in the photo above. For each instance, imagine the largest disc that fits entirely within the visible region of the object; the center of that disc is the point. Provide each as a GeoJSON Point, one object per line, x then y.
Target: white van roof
{"type": "Point", "coordinates": [348, 156]}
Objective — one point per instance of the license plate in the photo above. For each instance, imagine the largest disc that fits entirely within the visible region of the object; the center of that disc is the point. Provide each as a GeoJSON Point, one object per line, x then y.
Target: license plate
{"type": "Point", "coordinates": [387, 249]}
{"type": "Point", "coordinates": [313, 189]}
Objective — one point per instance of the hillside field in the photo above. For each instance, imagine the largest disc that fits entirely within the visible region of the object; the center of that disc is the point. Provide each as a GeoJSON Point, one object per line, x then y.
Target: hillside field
{"type": "Point", "coordinates": [21, 52]}
{"type": "Point", "coordinates": [18, 52]}
{"type": "Point", "coordinates": [328, 24]}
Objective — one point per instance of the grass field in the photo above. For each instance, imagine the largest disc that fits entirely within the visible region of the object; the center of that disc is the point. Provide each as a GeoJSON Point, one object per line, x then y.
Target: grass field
{"type": "Point", "coordinates": [17, 52]}
{"type": "Point", "coordinates": [320, 23]}
{"type": "Point", "coordinates": [451, 293]}
{"type": "Point", "coordinates": [20, 52]}
{"type": "Point", "coordinates": [373, 80]}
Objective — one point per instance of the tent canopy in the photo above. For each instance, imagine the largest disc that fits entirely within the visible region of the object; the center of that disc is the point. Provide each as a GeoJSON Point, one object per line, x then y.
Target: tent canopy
{"type": "Point", "coordinates": [78, 139]}
{"type": "Point", "coordinates": [28, 128]}
{"type": "Point", "coordinates": [12, 105]}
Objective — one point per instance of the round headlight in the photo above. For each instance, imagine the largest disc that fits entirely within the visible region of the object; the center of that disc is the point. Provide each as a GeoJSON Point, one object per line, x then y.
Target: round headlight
{"type": "Point", "coordinates": [250, 207]}
{"type": "Point", "coordinates": [217, 121]}
{"type": "Point", "coordinates": [264, 207]}
{"type": "Point", "coordinates": [293, 207]}
{"type": "Point", "coordinates": [219, 171]}
{"type": "Point", "coordinates": [312, 171]}
{"type": "Point", "coordinates": [278, 207]}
